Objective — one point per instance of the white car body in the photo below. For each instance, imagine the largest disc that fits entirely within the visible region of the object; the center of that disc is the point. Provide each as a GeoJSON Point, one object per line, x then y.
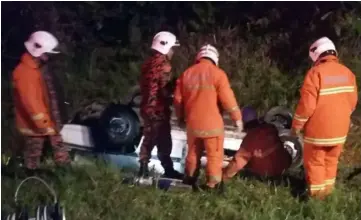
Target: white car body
{"type": "Point", "coordinates": [78, 137]}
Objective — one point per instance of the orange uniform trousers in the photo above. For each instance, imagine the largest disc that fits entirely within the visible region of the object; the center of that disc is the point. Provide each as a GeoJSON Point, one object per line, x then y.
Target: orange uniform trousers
{"type": "Point", "coordinates": [321, 168]}
{"type": "Point", "coordinates": [214, 153]}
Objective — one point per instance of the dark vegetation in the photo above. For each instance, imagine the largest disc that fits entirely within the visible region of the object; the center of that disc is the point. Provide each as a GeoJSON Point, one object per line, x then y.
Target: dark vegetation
{"type": "Point", "coordinates": [264, 50]}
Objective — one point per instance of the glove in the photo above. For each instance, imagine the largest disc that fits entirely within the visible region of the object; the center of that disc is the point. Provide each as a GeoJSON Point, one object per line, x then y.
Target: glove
{"type": "Point", "coordinates": [239, 126]}
{"type": "Point", "coordinates": [295, 132]}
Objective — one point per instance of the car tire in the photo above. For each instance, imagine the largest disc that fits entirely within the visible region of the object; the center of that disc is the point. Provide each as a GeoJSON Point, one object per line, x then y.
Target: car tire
{"type": "Point", "coordinates": [121, 126]}
{"type": "Point", "coordinates": [279, 116]}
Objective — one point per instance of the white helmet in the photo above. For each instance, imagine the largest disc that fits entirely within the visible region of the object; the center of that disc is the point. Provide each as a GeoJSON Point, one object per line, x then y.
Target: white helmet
{"type": "Point", "coordinates": [210, 52]}
{"type": "Point", "coordinates": [41, 42]}
{"type": "Point", "coordinates": [320, 46]}
{"type": "Point", "coordinates": [164, 41]}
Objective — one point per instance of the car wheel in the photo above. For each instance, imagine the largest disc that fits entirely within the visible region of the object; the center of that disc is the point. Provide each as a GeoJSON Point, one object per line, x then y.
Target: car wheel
{"type": "Point", "coordinates": [279, 116]}
{"type": "Point", "coordinates": [121, 126]}
{"type": "Point", "coordinates": [295, 149]}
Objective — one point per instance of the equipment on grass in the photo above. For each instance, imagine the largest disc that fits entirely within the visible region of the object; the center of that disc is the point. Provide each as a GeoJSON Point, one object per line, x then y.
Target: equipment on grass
{"type": "Point", "coordinates": [43, 212]}
{"type": "Point", "coordinates": [157, 182]}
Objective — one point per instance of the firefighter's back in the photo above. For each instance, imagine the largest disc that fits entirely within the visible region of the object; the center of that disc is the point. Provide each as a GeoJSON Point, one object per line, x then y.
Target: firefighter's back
{"type": "Point", "coordinates": [336, 96]}
{"type": "Point", "coordinates": [200, 97]}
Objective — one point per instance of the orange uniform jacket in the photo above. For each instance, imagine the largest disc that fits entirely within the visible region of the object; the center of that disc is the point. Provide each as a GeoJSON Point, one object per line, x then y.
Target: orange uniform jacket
{"type": "Point", "coordinates": [196, 97]}
{"type": "Point", "coordinates": [262, 152]}
{"type": "Point", "coordinates": [328, 97]}
{"type": "Point", "coordinates": [31, 99]}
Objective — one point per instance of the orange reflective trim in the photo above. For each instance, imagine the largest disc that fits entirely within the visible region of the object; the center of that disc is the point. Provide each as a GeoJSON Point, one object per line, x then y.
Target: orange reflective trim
{"type": "Point", "coordinates": [337, 90]}
{"type": "Point", "coordinates": [50, 131]}
{"type": "Point", "coordinates": [26, 131]}
{"type": "Point", "coordinates": [37, 117]}
{"type": "Point", "coordinates": [330, 181]}
{"type": "Point", "coordinates": [199, 87]}
{"type": "Point", "coordinates": [215, 179]}
{"type": "Point", "coordinates": [300, 118]}
{"type": "Point", "coordinates": [233, 109]}
{"type": "Point", "coordinates": [325, 141]}
{"type": "Point", "coordinates": [206, 133]}
{"type": "Point", "coordinates": [317, 187]}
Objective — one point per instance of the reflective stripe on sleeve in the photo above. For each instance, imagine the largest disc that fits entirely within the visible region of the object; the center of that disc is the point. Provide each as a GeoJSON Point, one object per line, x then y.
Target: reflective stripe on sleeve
{"type": "Point", "coordinates": [299, 118]}
{"type": "Point", "coordinates": [235, 108]}
{"type": "Point", "coordinates": [337, 90]}
{"type": "Point", "coordinates": [26, 131]}
{"type": "Point", "coordinates": [37, 117]}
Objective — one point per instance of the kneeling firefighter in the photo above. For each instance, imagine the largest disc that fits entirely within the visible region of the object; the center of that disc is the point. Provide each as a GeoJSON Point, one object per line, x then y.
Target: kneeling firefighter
{"type": "Point", "coordinates": [261, 151]}
{"type": "Point", "coordinates": [328, 98]}
{"type": "Point", "coordinates": [37, 110]}
{"type": "Point", "coordinates": [197, 95]}
{"type": "Point", "coordinates": [155, 104]}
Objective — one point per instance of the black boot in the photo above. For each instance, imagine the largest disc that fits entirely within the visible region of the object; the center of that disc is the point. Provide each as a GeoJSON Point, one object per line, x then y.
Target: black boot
{"type": "Point", "coordinates": [192, 181]}
{"type": "Point", "coordinates": [172, 173]}
{"type": "Point", "coordinates": [143, 170]}
{"type": "Point", "coordinates": [218, 188]}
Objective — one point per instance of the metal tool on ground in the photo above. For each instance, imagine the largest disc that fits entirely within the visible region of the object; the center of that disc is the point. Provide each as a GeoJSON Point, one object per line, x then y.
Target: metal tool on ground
{"type": "Point", "coordinates": [43, 212]}
{"type": "Point", "coordinates": [158, 182]}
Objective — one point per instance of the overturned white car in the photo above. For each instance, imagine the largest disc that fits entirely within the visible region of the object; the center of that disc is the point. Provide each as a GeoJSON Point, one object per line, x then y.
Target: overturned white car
{"type": "Point", "coordinates": [114, 133]}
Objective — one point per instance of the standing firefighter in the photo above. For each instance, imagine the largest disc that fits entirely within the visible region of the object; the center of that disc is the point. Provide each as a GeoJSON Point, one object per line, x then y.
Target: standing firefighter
{"type": "Point", "coordinates": [261, 151]}
{"type": "Point", "coordinates": [328, 98]}
{"type": "Point", "coordinates": [196, 98]}
{"type": "Point", "coordinates": [155, 105]}
{"type": "Point", "coordinates": [36, 107]}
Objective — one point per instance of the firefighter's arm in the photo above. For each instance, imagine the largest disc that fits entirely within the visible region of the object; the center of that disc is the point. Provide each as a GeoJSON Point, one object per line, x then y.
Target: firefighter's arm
{"type": "Point", "coordinates": [166, 75]}
{"type": "Point", "coordinates": [354, 95]}
{"type": "Point", "coordinates": [28, 90]}
{"type": "Point", "coordinates": [178, 101]}
{"type": "Point", "coordinates": [226, 97]}
{"type": "Point", "coordinates": [308, 100]}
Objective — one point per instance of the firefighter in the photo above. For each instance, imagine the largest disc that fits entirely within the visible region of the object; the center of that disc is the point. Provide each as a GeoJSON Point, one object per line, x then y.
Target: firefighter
{"type": "Point", "coordinates": [36, 103]}
{"type": "Point", "coordinates": [328, 98]}
{"type": "Point", "coordinates": [261, 151]}
{"type": "Point", "coordinates": [198, 92]}
{"type": "Point", "coordinates": [155, 105]}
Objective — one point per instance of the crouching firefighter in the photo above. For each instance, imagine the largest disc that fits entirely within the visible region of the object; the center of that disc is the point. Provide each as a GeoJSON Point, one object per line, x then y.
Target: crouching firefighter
{"type": "Point", "coordinates": [328, 98]}
{"type": "Point", "coordinates": [37, 110]}
{"type": "Point", "coordinates": [261, 151]}
{"type": "Point", "coordinates": [198, 92]}
{"type": "Point", "coordinates": [155, 104]}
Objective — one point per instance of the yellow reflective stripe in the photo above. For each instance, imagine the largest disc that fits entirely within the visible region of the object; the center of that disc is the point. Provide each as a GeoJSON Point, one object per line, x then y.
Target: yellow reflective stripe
{"type": "Point", "coordinates": [50, 131]}
{"type": "Point", "coordinates": [31, 132]}
{"type": "Point", "coordinates": [329, 141]}
{"type": "Point", "coordinates": [235, 108]}
{"type": "Point", "coordinates": [317, 187]}
{"type": "Point", "coordinates": [38, 116]}
{"type": "Point", "coordinates": [215, 178]}
{"type": "Point", "coordinates": [26, 131]}
{"type": "Point", "coordinates": [330, 181]}
{"type": "Point", "coordinates": [205, 133]}
{"type": "Point", "coordinates": [337, 90]}
{"type": "Point", "coordinates": [299, 118]}
{"type": "Point", "coordinates": [191, 87]}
